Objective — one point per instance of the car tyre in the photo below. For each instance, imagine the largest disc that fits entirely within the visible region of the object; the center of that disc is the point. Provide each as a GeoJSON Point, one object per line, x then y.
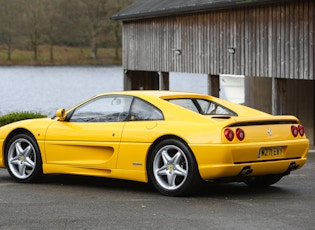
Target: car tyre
{"type": "Point", "coordinates": [23, 158]}
{"type": "Point", "coordinates": [173, 170]}
{"type": "Point", "coordinates": [263, 181]}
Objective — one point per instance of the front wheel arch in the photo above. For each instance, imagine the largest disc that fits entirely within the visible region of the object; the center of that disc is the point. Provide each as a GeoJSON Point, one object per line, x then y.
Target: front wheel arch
{"type": "Point", "coordinates": [10, 136]}
{"type": "Point", "coordinates": [26, 137]}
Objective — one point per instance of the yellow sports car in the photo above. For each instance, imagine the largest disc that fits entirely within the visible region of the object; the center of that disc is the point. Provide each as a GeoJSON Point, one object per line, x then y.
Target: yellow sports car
{"type": "Point", "coordinates": [175, 140]}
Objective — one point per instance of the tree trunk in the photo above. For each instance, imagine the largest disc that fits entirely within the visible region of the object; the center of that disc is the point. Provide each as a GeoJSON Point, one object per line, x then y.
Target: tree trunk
{"type": "Point", "coordinates": [9, 49]}
{"type": "Point", "coordinates": [51, 50]}
{"type": "Point", "coordinates": [9, 53]}
{"type": "Point", "coordinates": [35, 49]}
{"type": "Point", "coordinates": [93, 48]}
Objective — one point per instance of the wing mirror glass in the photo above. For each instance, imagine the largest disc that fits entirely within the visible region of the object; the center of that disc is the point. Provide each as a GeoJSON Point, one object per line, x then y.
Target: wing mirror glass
{"type": "Point", "coordinates": [61, 114]}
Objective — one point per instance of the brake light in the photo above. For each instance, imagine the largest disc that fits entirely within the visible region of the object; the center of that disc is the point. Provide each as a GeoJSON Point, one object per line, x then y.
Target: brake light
{"type": "Point", "coordinates": [294, 130]}
{"type": "Point", "coordinates": [301, 130]}
{"type": "Point", "coordinates": [240, 134]}
{"type": "Point", "coordinates": [229, 134]}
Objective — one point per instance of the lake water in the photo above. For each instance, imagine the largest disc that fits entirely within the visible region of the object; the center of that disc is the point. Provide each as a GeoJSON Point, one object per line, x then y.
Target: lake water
{"type": "Point", "coordinates": [45, 89]}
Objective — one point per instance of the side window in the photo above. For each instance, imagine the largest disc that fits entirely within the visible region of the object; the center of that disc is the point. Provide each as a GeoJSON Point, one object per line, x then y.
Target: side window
{"type": "Point", "coordinates": [142, 110]}
{"type": "Point", "coordinates": [211, 108]}
{"type": "Point", "coordinates": [186, 103]}
{"type": "Point", "coordinates": [103, 109]}
{"type": "Point", "coordinates": [202, 106]}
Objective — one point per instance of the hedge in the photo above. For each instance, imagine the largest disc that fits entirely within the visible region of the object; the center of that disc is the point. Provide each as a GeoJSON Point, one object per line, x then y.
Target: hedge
{"type": "Point", "coordinates": [18, 116]}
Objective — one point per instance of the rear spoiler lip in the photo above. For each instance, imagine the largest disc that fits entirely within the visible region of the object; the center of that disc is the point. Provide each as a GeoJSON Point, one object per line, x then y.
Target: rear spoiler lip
{"type": "Point", "coordinates": [233, 121]}
{"type": "Point", "coordinates": [265, 122]}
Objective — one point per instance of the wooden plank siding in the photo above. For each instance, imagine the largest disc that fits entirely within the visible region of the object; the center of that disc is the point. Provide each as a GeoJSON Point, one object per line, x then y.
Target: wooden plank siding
{"type": "Point", "coordinates": [270, 41]}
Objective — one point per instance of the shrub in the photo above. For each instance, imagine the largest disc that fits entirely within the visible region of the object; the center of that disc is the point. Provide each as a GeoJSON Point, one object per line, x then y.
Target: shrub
{"type": "Point", "coordinates": [18, 116]}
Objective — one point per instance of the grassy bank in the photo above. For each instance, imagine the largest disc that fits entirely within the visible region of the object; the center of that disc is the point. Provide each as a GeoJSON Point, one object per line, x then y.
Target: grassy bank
{"type": "Point", "coordinates": [18, 116]}
{"type": "Point", "coordinates": [62, 56]}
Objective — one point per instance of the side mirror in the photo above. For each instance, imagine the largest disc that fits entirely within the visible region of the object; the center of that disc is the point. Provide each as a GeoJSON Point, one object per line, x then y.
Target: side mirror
{"type": "Point", "coordinates": [61, 114]}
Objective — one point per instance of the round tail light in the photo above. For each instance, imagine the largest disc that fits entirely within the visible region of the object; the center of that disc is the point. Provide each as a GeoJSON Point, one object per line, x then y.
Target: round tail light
{"type": "Point", "coordinates": [294, 130]}
{"type": "Point", "coordinates": [301, 130]}
{"type": "Point", "coordinates": [240, 134]}
{"type": "Point", "coordinates": [229, 134]}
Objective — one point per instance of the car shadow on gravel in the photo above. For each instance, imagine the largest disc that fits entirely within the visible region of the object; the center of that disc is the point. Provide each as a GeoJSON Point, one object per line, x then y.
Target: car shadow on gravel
{"type": "Point", "coordinates": [97, 182]}
{"type": "Point", "coordinates": [209, 189]}
{"type": "Point", "coordinates": [212, 189]}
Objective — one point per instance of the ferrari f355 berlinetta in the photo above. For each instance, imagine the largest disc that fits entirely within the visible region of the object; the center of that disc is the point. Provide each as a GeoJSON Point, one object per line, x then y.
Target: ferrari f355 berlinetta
{"type": "Point", "coordinates": [175, 140]}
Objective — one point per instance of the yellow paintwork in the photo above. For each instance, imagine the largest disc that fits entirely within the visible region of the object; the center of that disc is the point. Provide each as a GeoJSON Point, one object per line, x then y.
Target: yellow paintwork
{"type": "Point", "coordinates": [120, 149]}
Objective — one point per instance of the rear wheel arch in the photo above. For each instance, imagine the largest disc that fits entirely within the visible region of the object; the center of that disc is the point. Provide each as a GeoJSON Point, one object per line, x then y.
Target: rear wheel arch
{"type": "Point", "coordinates": [181, 167]}
{"type": "Point", "coordinates": [162, 138]}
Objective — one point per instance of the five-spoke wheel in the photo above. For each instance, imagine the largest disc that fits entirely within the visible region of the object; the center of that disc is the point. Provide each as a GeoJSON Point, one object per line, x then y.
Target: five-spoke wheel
{"type": "Point", "coordinates": [23, 158]}
{"type": "Point", "coordinates": [173, 169]}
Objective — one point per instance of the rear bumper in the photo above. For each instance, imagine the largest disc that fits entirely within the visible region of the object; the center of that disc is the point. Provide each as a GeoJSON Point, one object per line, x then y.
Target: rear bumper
{"type": "Point", "coordinates": [256, 169]}
{"type": "Point", "coordinates": [228, 160]}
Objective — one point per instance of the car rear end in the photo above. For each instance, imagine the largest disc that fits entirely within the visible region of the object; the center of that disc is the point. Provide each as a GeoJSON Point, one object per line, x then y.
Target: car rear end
{"type": "Point", "coordinates": [273, 145]}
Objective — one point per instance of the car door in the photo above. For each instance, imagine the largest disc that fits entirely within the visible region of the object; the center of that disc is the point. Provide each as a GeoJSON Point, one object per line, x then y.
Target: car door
{"type": "Point", "coordinates": [91, 135]}
{"type": "Point", "coordinates": [139, 132]}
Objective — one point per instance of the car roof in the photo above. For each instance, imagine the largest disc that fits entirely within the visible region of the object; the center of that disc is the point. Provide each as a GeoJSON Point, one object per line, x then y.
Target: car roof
{"type": "Point", "coordinates": [155, 96]}
{"type": "Point", "coordinates": [159, 93]}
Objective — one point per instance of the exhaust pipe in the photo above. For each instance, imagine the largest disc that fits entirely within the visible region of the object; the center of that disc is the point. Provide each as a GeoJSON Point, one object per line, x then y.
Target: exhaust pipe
{"type": "Point", "coordinates": [293, 166]}
{"type": "Point", "coordinates": [246, 171]}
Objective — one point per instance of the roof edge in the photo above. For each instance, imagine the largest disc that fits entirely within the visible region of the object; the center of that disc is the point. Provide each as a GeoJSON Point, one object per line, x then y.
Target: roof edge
{"type": "Point", "coordinates": [124, 15]}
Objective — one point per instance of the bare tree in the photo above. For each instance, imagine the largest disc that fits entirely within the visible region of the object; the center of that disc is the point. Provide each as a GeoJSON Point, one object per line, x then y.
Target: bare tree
{"type": "Point", "coordinates": [60, 22]}
{"type": "Point", "coordinates": [96, 16]}
{"type": "Point", "coordinates": [52, 28]}
{"type": "Point", "coordinates": [90, 18]}
{"type": "Point", "coordinates": [34, 22]}
{"type": "Point", "coordinates": [9, 20]}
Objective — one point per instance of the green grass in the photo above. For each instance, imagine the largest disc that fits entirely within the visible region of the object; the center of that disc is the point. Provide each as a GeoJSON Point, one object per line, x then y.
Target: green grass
{"type": "Point", "coordinates": [63, 55]}
{"type": "Point", "coordinates": [18, 116]}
